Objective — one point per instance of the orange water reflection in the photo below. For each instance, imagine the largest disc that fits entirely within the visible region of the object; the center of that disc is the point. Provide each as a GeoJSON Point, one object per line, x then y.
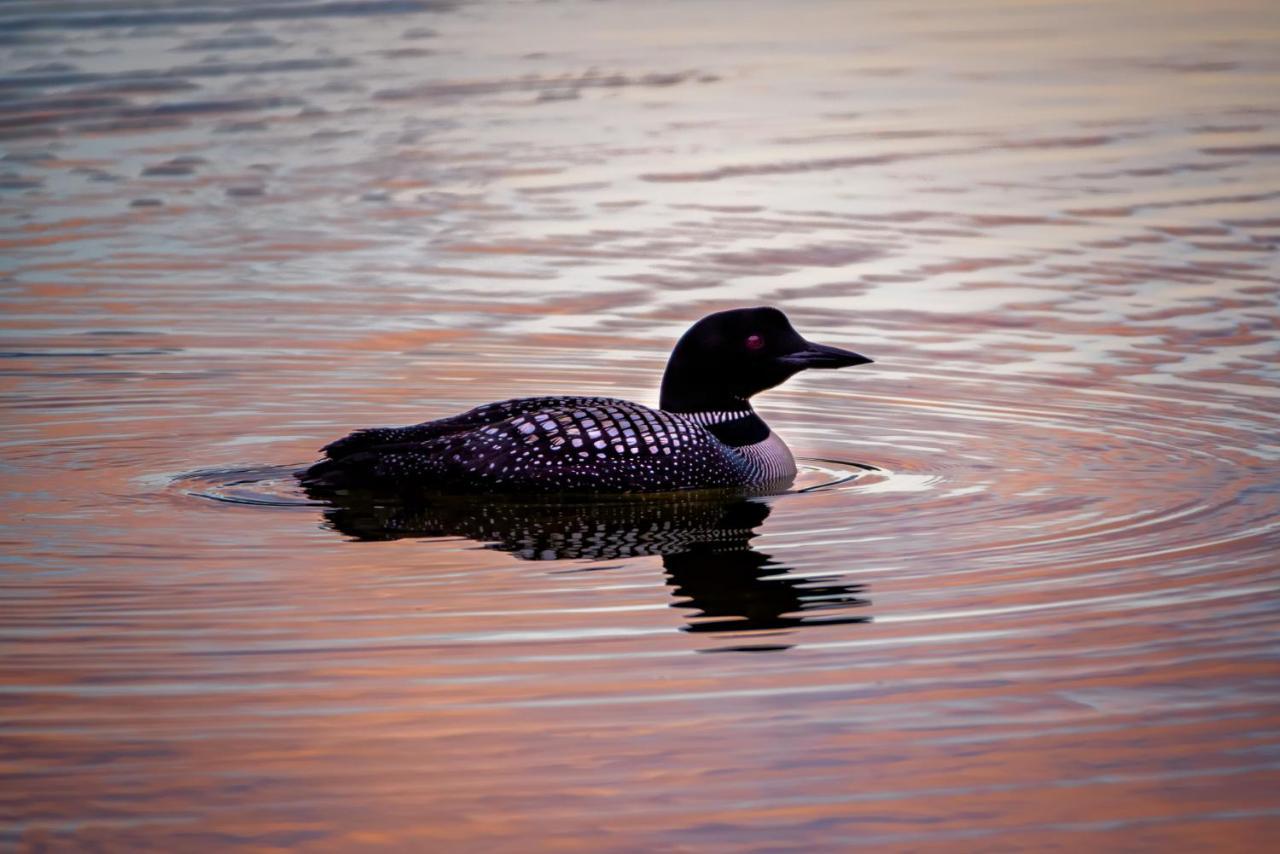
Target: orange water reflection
{"type": "Point", "coordinates": [232, 234]}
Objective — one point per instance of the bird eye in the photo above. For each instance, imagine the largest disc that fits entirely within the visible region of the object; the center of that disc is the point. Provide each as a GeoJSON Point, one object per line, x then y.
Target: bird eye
{"type": "Point", "coordinates": [754, 342]}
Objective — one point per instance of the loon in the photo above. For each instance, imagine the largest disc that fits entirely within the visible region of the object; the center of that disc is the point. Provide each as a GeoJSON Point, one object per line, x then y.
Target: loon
{"type": "Point", "coordinates": [704, 435]}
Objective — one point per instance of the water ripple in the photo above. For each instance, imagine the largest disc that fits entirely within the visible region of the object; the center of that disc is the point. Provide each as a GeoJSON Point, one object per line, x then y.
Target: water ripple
{"type": "Point", "coordinates": [1031, 551]}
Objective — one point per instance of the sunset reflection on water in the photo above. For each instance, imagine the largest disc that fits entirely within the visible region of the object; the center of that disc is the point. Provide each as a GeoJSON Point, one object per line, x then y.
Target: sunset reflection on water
{"type": "Point", "coordinates": [1027, 601]}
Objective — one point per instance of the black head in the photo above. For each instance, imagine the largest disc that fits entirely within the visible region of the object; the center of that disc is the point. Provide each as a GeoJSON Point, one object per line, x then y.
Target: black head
{"type": "Point", "coordinates": [729, 356]}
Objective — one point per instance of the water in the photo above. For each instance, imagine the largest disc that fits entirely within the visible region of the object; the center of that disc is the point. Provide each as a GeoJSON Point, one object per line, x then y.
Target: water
{"type": "Point", "coordinates": [1027, 598]}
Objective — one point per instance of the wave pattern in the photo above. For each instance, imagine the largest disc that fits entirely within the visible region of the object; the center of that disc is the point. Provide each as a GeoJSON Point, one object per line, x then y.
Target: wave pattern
{"type": "Point", "coordinates": [1024, 595]}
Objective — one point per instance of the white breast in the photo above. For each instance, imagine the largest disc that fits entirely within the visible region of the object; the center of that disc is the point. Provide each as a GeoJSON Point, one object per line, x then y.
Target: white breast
{"type": "Point", "coordinates": [770, 461]}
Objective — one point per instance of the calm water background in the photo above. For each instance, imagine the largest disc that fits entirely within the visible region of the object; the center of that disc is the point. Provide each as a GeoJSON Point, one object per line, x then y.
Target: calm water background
{"type": "Point", "coordinates": [233, 231]}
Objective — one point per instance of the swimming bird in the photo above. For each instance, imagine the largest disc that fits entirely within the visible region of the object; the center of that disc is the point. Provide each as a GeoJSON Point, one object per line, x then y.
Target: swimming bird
{"type": "Point", "coordinates": [704, 435]}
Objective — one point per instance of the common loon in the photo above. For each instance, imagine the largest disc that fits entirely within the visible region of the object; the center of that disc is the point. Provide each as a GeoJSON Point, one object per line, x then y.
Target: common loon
{"type": "Point", "coordinates": [705, 435]}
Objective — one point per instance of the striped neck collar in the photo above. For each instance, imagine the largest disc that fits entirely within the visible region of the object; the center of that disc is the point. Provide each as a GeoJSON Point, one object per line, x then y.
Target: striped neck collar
{"type": "Point", "coordinates": [718, 416]}
{"type": "Point", "coordinates": [734, 427]}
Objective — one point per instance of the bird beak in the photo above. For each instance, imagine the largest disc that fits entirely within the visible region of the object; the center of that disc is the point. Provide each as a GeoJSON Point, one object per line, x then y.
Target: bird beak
{"type": "Point", "coordinates": [822, 356]}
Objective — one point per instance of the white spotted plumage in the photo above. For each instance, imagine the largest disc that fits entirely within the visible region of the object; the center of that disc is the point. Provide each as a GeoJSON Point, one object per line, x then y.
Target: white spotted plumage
{"type": "Point", "coordinates": [705, 435]}
{"type": "Point", "coordinates": [566, 444]}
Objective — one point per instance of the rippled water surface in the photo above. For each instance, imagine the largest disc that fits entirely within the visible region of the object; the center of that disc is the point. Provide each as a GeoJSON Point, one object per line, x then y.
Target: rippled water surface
{"type": "Point", "coordinates": [1024, 594]}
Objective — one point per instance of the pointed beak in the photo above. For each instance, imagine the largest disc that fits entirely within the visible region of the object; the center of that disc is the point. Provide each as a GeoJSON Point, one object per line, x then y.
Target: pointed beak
{"type": "Point", "coordinates": [822, 356]}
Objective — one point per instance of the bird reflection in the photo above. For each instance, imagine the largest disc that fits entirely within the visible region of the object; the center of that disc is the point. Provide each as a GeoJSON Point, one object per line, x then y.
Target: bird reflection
{"type": "Point", "coordinates": [722, 583]}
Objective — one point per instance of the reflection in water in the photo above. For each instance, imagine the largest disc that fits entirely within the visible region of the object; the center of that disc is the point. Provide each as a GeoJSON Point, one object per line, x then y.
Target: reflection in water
{"type": "Point", "coordinates": [232, 230]}
{"type": "Point", "coordinates": [704, 542]}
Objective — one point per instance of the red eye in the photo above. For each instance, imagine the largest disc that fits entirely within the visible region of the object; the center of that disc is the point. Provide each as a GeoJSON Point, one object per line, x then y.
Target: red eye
{"type": "Point", "coordinates": [754, 342]}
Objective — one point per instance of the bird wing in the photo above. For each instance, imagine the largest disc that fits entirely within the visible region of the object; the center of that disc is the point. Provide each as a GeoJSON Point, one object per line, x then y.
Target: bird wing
{"type": "Point", "coordinates": [481, 416]}
{"type": "Point", "coordinates": [578, 445]}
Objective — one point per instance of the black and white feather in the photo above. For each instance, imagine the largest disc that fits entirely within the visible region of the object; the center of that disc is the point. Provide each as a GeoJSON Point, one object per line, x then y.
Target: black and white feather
{"type": "Point", "coordinates": [704, 436]}
{"type": "Point", "coordinates": [553, 444]}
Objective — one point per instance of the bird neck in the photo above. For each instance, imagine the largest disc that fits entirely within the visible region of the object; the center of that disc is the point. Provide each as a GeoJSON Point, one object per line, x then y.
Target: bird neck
{"type": "Point", "coordinates": [703, 399]}
{"type": "Point", "coordinates": [689, 386]}
{"type": "Point", "coordinates": [734, 428]}
{"type": "Point", "coordinates": [730, 419]}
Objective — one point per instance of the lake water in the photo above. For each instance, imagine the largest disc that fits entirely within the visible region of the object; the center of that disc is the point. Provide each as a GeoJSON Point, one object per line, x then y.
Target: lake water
{"type": "Point", "coordinates": [1025, 593]}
